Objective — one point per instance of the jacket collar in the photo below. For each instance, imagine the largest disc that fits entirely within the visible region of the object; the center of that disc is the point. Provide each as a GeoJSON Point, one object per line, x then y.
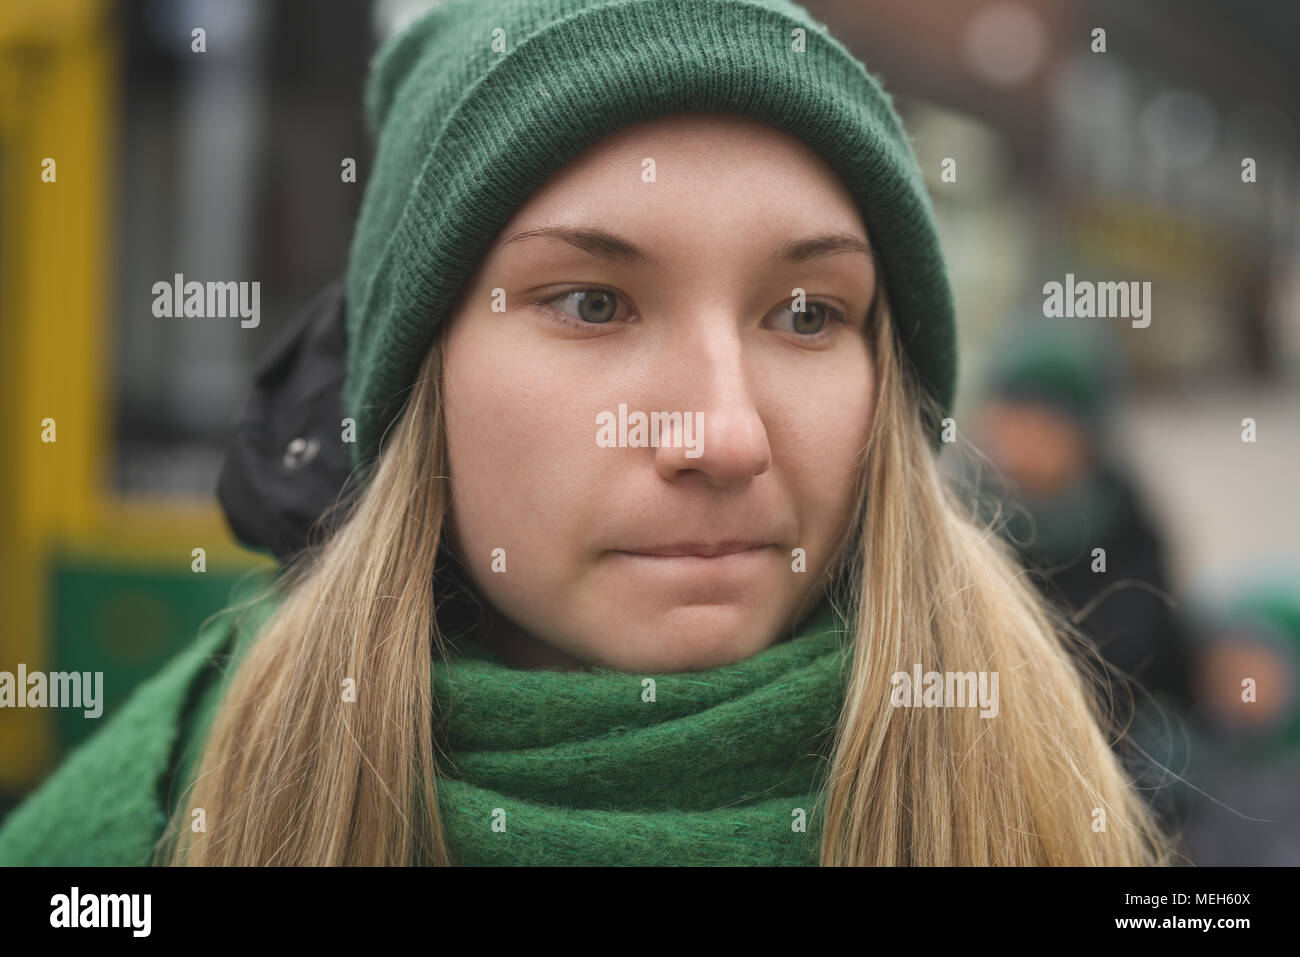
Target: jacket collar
{"type": "Point", "coordinates": [286, 463]}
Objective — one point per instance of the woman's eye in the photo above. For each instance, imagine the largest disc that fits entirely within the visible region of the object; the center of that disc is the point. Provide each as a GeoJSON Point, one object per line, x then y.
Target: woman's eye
{"type": "Point", "coordinates": [587, 305]}
{"type": "Point", "coordinates": [810, 321]}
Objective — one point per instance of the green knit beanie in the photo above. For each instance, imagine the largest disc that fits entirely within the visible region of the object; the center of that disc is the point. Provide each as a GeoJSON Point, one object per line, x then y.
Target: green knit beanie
{"type": "Point", "coordinates": [478, 102]}
{"type": "Point", "coordinates": [1075, 368]}
{"type": "Point", "coordinates": [1264, 609]}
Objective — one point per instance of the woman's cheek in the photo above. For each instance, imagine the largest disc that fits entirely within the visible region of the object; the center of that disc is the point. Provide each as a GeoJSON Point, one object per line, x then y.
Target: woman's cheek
{"type": "Point", "coordinates": [825, 437]}
{"type": "Point", "coordinates": [519, 467]}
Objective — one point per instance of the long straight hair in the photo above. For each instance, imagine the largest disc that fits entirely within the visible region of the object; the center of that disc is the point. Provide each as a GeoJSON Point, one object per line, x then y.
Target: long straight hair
{"type": "Point", "coordinates": [292, 774]}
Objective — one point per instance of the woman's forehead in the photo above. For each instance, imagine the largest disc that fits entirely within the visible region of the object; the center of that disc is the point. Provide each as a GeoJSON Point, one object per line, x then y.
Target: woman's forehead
{"type": "Point", "coordinates": [697, 169]}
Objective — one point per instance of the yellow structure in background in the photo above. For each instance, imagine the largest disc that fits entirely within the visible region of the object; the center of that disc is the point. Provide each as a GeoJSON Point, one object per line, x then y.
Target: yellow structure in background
{"type": "Point", "coordinates": [59, 99]}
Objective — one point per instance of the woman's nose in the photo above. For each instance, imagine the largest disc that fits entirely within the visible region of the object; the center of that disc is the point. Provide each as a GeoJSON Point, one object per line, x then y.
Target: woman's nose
{"type": "Point", "coordinates": [710, 380]}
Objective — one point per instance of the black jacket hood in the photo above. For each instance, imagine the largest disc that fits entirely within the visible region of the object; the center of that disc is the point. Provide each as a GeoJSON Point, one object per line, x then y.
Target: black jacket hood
{"type": "Point", "coordinates": [285, 464]}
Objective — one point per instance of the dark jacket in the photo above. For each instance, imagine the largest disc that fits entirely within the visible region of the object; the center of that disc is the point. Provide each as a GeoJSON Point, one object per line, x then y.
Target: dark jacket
{"type": "Point", "coordinates": [1126, 611]}
{"type": "Point", "coordinates": [285, 465]}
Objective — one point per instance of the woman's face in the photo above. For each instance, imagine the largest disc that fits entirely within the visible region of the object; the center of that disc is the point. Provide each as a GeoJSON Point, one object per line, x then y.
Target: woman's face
{"type": "Point", "coordinates": [622, 289]}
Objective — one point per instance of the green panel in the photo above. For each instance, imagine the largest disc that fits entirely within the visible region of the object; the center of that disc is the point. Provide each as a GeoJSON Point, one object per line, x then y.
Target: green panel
{"type": "Point", "coordinates": [126, 621]}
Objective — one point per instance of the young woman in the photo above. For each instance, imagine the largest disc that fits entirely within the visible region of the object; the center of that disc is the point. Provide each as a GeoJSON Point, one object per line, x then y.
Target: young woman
{"type": "Point", "coordinates": [649, 341]}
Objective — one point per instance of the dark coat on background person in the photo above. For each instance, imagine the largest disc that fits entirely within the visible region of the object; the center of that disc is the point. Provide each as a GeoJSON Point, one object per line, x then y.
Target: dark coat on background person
{"type": "Point", "coordinates": [1126, 609]}
{"type": "Point", "coordinates": [1144, 677]}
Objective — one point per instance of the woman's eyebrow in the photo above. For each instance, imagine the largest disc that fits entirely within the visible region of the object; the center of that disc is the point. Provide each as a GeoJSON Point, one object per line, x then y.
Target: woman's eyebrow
{"type": "Point", "coordinates": [598, 242]}
{"type": "Point", "coordinates": [816, 247]}
{"type": "Point", "coordinates": [606, 245]}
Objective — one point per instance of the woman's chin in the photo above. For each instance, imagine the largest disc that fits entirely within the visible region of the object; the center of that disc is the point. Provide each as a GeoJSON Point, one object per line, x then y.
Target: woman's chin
{"type": "Point", "coordinates": [683, 637]}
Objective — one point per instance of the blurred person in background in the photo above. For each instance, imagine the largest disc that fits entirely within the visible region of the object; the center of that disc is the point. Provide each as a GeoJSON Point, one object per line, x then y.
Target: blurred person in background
{"type": "Point", "coordinates": [1246, 727]}
{"type": "Point", "coordinates": [1059, 492]}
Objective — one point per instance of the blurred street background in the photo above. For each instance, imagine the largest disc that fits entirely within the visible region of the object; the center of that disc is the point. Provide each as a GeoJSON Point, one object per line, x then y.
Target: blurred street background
{"type": "Point", "coordinates": [1178, 443]}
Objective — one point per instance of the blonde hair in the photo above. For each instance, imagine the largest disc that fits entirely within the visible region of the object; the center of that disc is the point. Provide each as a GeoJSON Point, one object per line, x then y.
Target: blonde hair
{"type": "Point", "coordinates": [288, 776]}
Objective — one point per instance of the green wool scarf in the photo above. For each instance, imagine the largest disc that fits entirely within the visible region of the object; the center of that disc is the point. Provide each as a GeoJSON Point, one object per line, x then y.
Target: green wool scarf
{"type": "Point", "coordinates": [601, 767]}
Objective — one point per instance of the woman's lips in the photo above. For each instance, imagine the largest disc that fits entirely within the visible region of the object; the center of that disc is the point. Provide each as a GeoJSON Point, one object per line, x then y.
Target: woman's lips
{"type": "Point", "coordinates": [702, 551]}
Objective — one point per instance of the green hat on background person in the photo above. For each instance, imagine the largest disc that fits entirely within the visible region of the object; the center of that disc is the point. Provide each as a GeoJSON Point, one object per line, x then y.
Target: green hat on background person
{"type": "Point", "coordinates": [1074, 367]}
{"type": "Point", "coordinates": [478, 102]}
{"type": "Point", "coordinates": [1268, 616]}
{"type": "Point", "coordinates": [1254, 633]}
